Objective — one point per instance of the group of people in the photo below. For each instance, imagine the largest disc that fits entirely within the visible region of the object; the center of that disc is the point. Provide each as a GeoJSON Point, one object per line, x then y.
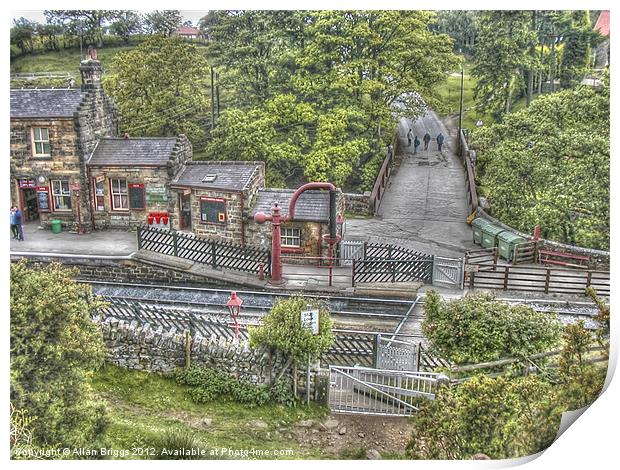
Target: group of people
{"type": "Point", "coordinates": [16, 224]}
{"type": "Point", "coordinates": [426, 139]}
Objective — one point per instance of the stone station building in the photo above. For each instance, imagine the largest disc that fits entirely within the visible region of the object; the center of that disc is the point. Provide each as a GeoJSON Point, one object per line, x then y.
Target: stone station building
{"type": "Point", "coordinates": [68, 163]}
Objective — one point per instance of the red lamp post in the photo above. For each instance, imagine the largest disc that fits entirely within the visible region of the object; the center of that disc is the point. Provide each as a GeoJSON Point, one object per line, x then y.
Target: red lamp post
{"type": "Point", "coordinates": [234, 307]}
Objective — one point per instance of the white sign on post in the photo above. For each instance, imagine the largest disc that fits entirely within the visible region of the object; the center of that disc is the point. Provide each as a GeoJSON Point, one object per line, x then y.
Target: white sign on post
{"type": "Point", "coordinates": [310, 320]}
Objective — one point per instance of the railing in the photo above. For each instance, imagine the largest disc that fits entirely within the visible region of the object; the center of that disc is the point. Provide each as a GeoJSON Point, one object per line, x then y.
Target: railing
{"type": "Point", "coordinates": [383, 176]}
{"type": "Point", "coordinates": [470, 180]}
{"type": "Point", "coordinates": [393, 271]}
{"type": "Point", "coordinates": [316, 269]}
{"type": "Point", "coordinates": [202, 250]}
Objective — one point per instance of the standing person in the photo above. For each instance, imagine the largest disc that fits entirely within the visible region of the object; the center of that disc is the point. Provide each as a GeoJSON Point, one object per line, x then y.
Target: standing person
{"type": "Point", "coordinates": [14, 231]}
{"type": "Point", "coordinates": [416, 144]}
{"type": "Point", "coordinates": [409, 134]}
{"type": "Point", "coordinates": [426, 139]}
{"type": "Point", "coordinates": [18, 224]}
{"type": "Point", "coordinates": [440, 141]}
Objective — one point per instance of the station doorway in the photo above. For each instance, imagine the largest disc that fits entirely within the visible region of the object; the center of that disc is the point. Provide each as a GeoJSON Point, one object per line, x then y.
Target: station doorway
{"type": "Point", "coordinates": [29, 206]}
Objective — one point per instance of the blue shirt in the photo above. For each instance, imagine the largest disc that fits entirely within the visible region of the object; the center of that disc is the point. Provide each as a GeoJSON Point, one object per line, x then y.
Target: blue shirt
{"type": "Point", "coordinates": [12, 218]}
{"type": "Point", "coordinates": [18, 217]}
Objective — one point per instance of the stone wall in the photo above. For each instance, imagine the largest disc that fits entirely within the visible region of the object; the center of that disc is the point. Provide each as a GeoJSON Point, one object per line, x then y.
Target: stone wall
{"type": "Point", "coordinates": [141, 347]}
{"type": "Point", "coordinates": [125, 270]}
{"type": "Point", "coordinates": [181, 154]}
{"type": "Point", "coordinates": [356, 203]}
{"type": "Point", "coordinates": [151, 177]}
{"type": "Point", "coordinates": [63, 162]}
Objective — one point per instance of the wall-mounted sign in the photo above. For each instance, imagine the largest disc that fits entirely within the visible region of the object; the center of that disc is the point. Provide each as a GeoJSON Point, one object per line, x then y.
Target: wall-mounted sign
{"type": "Point", "coordinates": [212, 210]}
{"type": "Point", "coordinates": [43, 198]}
{"type": "Point", "coordinates": [99, 179]}
{"type": "Point", "coordinates": [310, 320]}
{"type": "Point", "coordinates": [26, 183]}
{"type": "Point", "coordinates": [187, 192]}
{"type": "Point", "coordinates": [155, 189]}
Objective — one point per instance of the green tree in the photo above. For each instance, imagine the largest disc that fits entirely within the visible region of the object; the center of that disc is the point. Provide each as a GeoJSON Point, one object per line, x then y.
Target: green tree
{"type": "Point", "coordinates": [160, 89]}
{"type": "Point", "coordinates": [502, 418]}
{"type": "Point", "coordinates": [282, 329]}
{"type": "Point", "coordinates": [577, 49]}
{"type": "Point", "coordinates": [87, 23]}
{"type": "Point", "coordinates": [501, 55]}
{"type": "Point", "coordinates": [477, 328]}
{"type": "Point", "coordinates": [461, 25]}
{"type": "Point", "coordinates": [22, 35]}
{"type": "Point", "coordinates": [126, 24]}
{"type": "Point", "coordinates": [55, 346]}
{"type": "Point", "coordinates": [549, 166]}
{"type": "Point", "coordinates": [163, 22]}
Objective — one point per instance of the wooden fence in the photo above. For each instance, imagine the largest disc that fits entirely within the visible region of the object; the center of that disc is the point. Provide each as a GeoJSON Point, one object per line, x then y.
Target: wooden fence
{"type": "Point", "coordinates": [202, 250]}
{"type": "Point", "coordinates": [525, 252]}
{"type": "Point", "coordinates": [470, 180]}
{"type": "Point", "coordinates": [383, 176]}
{"type": "Point", "coordinates": [542, 363]}
{"type": "Point", "coordinates": [547, 280]}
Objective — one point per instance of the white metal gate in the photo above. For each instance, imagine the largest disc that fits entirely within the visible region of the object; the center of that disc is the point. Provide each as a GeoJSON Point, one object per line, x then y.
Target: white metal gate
{"type": "Point", "coordinates": [448, 272]}
{"type": "Point", "coordinates": [351, 250]}
{"type": "Point", "coordinates": [360, 390]}
{"type": "Point", "coordinates": [396, 355]}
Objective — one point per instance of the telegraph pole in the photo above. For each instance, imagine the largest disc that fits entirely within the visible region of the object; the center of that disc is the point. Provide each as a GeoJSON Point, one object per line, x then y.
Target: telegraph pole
{"type": "Point", "coordinates": [461, 105]}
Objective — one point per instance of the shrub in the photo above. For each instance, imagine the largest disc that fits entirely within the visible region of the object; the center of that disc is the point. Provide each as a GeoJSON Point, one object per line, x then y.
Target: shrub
{"type": "Point", "coordinates": [478, 328]}
{"type": "Point", "coordinates": [282, 330]}
{"type": "Point", "coordinates": [177, 444]}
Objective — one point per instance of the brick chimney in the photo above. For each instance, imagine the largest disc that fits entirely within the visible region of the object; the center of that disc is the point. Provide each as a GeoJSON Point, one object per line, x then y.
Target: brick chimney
{"type": "Point", "coordinates": [91, 70]}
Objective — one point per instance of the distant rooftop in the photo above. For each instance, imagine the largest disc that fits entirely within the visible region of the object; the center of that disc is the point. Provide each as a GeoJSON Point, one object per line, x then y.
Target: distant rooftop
{"type": "Point", "coordinates": [312, 205]}
{"type": "Point", "coordinates": [187, 30]}
{"type": "Point", "coordinates": [602, 23]}
{"type": "Point", "coordinates": [133, 151]}
{"type": "Point", "coordinates": [233, 176]}
{"type": "Point", "coordinates": [45, 103]}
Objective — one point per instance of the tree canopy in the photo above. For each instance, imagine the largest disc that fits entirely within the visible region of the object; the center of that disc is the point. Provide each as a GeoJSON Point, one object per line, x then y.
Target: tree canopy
{"type": "Point", "coordinates": [54, 347]}
{"type": "Point", "coordinates": [548, 165]}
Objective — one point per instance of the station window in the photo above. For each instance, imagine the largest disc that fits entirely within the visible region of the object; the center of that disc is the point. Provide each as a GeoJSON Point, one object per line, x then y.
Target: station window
{"type": "Point", "coordinates": [119, 194]}
{"type": "Point", "coordinates": [40, 141]}
{"type": "Point", "coordinates": [291, 237]}
{"type": "Point", "coordinates": [61, 195]}
{"type": "Point", "coordinates": [98, 192]}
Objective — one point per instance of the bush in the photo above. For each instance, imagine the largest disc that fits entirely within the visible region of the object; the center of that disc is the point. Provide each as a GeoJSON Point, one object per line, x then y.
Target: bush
{"type": "Point", "coordinates": [477, 328]}
{"type": "Point", "coordinates": [178, 444]}
{"type": "Point", "coordinates": [209, 384]}
{"type": "Point", "coordinates": [282, 330]}
{"type": "Point", "coordinates": [502, 418]}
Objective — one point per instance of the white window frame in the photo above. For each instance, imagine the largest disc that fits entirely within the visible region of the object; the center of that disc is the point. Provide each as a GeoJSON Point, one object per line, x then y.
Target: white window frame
{"type": "Point", "coordinates": [288, 236]}
{"type": "Point", "coordinates": [41, 141]}
{"type": "Point", "coordinates": [63, 193]}
{"type": "Point", "coordinates": [118, 192]}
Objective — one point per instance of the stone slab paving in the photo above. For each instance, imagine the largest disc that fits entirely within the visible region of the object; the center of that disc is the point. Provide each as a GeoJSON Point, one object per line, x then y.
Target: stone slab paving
{"type": "Point", "coordinates": [105, 242]}
{"type": "Point", "coordinates": [424, 206]}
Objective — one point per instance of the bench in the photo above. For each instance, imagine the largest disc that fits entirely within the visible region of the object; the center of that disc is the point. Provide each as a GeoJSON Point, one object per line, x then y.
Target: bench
{"type": "Point", "coordinates": [564, 259]}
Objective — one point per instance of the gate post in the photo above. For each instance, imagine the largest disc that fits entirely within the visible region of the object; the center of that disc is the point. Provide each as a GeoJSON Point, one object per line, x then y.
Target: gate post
{"type": "Point", "coordinates": [174, 244]}
{"type": "Point", "coordinates": [139, 234]}
{"type": "Point", "coordinates": [375, 356]}
{"type": "Point", "coordinates": [353, 272]}
{"type": "Point", "coordinates": [432, 268]}
{"type": "Point", "coordinates": [213, 256]}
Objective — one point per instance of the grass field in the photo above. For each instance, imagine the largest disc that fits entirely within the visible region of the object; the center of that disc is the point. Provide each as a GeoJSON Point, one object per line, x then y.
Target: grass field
{"type": "Point", "coordinates": [144, 406]}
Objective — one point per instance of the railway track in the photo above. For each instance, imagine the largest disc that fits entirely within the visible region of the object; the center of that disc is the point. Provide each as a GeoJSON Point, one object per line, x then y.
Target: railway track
{"type": "Point", "coordinates": [349, 313]}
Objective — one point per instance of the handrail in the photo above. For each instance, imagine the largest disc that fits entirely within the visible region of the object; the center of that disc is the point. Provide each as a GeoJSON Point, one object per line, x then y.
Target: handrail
{"type": "Point", "coordinates": [383, 176]}
{"type": "Point", "coordinates": [470, 180]}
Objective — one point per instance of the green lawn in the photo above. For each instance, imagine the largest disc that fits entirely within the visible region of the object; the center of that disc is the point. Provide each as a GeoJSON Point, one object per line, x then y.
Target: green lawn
{"type": "Point", "coordinates": [143, 406]}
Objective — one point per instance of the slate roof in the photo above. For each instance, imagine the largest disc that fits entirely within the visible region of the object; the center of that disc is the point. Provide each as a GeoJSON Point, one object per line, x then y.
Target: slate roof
{"type": "Point", "coordinates": [133, 151]}
{"type": "Point", "coordinates": [29, 103]}
{"type": "Point", "coordinates": [312, 205]}
{"type": "Point", "coordinates": [233, 176]}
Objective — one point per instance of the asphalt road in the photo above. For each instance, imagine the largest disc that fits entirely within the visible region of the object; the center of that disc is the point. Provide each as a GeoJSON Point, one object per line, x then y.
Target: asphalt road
{"type": "Point", "coordinates": [424, 206]}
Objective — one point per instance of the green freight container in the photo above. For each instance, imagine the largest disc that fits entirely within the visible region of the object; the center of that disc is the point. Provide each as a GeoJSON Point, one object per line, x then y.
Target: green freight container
{"type": "Point", "coordinates": [489, 235]}
{"type": "Point", "coordinates": [506, 242]}
{"type": "Point", "coordinates": [478, 225]}
{"type": "Point", "coordinates": [56, 226]}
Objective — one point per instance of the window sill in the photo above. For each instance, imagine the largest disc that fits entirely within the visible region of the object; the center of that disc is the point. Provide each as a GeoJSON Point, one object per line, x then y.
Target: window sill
{"type": "Point", "coordinates": [292, 249]}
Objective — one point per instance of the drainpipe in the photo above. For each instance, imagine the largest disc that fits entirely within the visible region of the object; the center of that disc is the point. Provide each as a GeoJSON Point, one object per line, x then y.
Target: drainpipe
{"type": "Point", "coordinates": [91, 198]}
{"type": "Point", "coordinates": [242, 223]}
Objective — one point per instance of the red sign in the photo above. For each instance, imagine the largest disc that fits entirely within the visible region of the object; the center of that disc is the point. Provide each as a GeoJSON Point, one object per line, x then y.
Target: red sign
{"type": "Point", "coordinates": [26, 183]}
{"type": "Point", "coordinates": [212, 199]}
{"type": "Point", "coordinates": [42, 189]}
{"type": "Point", "coordinates": [135, 185]}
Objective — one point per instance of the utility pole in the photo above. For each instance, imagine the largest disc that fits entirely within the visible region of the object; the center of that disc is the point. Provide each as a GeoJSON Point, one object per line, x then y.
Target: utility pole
{"type": "Point", "coordinates": [212, 99]}
{"type": "Point", "coordinates": [461, 105]}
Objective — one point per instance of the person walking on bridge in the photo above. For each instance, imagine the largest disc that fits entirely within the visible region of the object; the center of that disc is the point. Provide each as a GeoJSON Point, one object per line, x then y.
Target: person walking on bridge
{"type": "Point", "coordinates": [426, 139]}
{"type": "Point", "coordinates": [409, 134]}
{"type": "Point", "coordinates": [416, 144]}
{"type": "Point", "coordinates": [440, 141]}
